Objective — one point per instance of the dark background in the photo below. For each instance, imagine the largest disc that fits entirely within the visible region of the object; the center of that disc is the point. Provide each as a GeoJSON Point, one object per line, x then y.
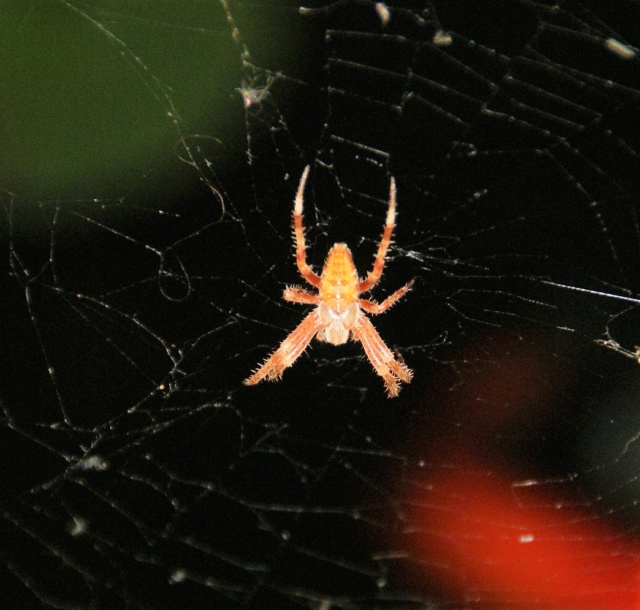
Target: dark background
{"type": "Point", "coordinates": [149, 157]}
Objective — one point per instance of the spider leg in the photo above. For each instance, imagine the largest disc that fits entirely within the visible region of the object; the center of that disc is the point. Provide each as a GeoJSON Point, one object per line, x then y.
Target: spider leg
{"type": "Point", "coordinates": [298, 230]}
{"type": "Point", "coordinates": [295, 294]}
{"type": "Point", "coordinates": [380, 356]}
{"type": "Point", "coordinates": [289, 350]}
{"type": "Point", "coordinates": [377, 308]}
{"type": "Point", "coordinates": [378, 264]}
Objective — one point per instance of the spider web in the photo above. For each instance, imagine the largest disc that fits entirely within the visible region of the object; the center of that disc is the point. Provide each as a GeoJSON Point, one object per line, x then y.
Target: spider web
{"type": "Point", "coordinates": [150, 156]}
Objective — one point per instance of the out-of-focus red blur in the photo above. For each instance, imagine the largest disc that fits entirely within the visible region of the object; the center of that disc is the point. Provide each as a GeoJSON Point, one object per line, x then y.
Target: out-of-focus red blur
{"type": "Point", "coordinates": [504, 554]}
{"type": "Point", "coordinates": [492, 538]}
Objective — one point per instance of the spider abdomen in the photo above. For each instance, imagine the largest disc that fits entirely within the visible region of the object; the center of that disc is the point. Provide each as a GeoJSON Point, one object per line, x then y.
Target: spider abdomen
{"type": "Point", "coordinates": [339, 280]}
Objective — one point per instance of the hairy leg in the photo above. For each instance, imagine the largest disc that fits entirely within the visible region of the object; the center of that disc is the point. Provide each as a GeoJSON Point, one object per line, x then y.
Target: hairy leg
{"type": "Point", "coordinates": [380, 356]}
{"type": "Point", "coordinates": [378, 308]}
{"type": "Point", "coordinates": [288, 352]}
{"type": "Point", "coordinates": [298, 230]}
{"type": "Point", "coordinates": [295, 294]}
{"type": "Point", "coordinates": [378, 264]}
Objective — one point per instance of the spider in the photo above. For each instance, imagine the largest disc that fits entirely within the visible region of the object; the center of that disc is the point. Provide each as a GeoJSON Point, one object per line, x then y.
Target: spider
{"type": "Point", "coordinates": [340, 312]}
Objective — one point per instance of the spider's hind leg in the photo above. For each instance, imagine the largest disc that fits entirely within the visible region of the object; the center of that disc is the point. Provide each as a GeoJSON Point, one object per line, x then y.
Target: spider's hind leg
{"type": "Point", "coordinates": [385, 241]}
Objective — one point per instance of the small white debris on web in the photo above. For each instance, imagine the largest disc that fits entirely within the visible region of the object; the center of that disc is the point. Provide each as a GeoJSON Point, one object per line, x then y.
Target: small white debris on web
{"type": "Point", "coordinates": [78, 526]}
{"type": "Point", "coordinates": [619, 49]}
{"type": "Point", "coordinates": [93, 462]}
{"type": "Point", "coordinates": [383, 12]}
{"type": "Point", "coordinates": [254, 95]}
{"type": "Point", "coordinates": [442, 39]}
{"type": "Point", "coordinates": [179, 575]}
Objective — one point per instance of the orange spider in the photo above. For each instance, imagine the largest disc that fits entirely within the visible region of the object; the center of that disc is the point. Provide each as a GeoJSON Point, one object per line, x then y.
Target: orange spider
{"type": "Point", "coordinates": [340, 310]}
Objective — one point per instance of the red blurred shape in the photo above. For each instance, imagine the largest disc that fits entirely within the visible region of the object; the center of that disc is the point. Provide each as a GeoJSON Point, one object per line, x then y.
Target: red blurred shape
{"type": "Point", "coordinates": [499, 545]}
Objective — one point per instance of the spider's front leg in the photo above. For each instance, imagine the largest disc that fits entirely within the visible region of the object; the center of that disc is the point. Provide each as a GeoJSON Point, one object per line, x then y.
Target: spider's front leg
{"type": "Point", "coordinates": [288, 352]}
{"type": "Point", "coordinates": [381, 357]}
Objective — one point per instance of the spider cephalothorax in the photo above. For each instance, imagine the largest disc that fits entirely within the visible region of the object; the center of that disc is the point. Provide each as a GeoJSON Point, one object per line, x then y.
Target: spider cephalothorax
{"type": "Point", "coordinates": [340, 312]}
